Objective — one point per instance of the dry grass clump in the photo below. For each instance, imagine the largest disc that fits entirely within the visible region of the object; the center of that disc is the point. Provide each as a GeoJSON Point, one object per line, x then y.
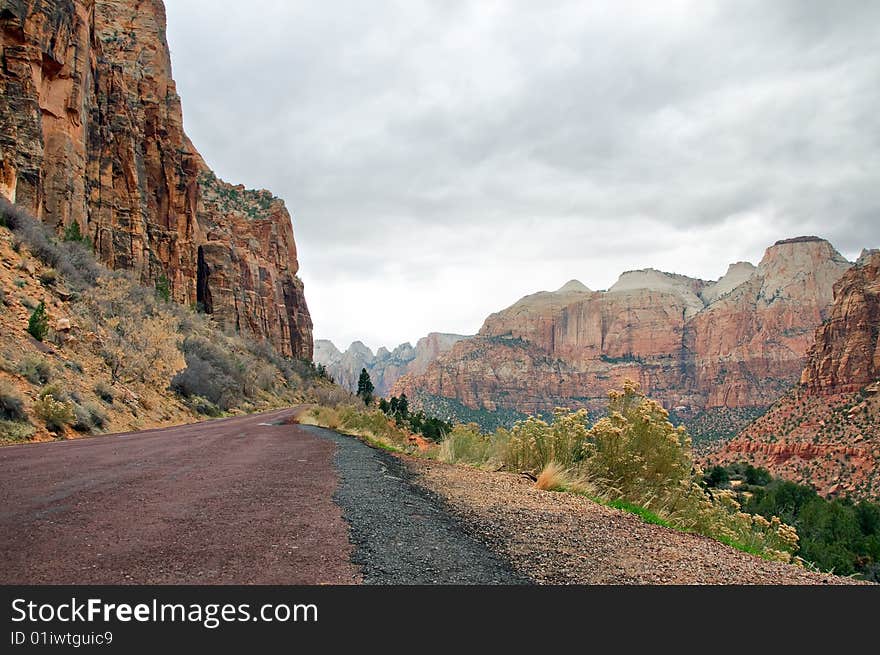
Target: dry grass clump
{"type": "Point", "coordinates": [556, 477]}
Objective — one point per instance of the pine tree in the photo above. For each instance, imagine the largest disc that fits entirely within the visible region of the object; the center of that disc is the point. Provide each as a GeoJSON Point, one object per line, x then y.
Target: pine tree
{"type": "Point", "coordinates": [365, 387]}
{"type": "Point", "coordinates": [72, 232]}
{"type": "Point", "coordinates": [163, 288]}
{"type": "Point", "coordinates": [38, 325]}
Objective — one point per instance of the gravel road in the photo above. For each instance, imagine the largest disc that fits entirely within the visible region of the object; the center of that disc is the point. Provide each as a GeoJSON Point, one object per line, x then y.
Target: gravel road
{"type": "Point", "coordinates": [401, 532]}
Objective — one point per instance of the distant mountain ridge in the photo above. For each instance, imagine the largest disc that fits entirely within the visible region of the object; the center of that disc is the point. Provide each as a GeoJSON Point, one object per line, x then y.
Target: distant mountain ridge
{"type": "Point", "coordinates": [385, 367]}
{"type": "Point", "coordinates": [728, 348]}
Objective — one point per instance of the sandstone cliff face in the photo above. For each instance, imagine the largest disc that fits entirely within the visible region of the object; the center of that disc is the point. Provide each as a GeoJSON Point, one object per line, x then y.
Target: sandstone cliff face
{"type": "Point", "coordinates": [846, 353]}
{"type": "Point", "coordinates": [91, 131]}
{"type": "Point", "coordinates": [695, 345]}
{"type": "Point", "coordinates": [385, 367]}
{"type": "Point", "coordinates": [826, 432]}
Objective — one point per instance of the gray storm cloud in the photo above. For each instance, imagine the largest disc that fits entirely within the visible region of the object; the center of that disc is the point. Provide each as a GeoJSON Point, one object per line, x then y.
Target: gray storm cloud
{"type": "Point", "coordinates": [442, 159]}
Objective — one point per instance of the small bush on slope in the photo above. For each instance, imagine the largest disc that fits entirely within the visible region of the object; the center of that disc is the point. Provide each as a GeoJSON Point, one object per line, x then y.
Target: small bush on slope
{"type": "Point", "coordinates": [11, 404]}
{"type": "Point", "coordinates": [73, 260]}
{"type": "Point", "coordinates": [35, 370]}
{"type": "Point", "coordinates": [56, 414]}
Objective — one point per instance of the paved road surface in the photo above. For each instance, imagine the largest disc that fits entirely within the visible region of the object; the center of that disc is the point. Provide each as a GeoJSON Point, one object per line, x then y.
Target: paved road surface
{"type": "Point", "coordinates": [226, 501]}
{"type": "Point", "coordinates": [246, 500]}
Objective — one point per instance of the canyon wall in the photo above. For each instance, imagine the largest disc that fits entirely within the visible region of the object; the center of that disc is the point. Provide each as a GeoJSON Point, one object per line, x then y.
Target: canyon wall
{"type": "Point", "coordinates": [734, 344]}
{"type": "Point", "coordinates": [826, 431]}
{"type": "Point", "coordinates": [91, 132]}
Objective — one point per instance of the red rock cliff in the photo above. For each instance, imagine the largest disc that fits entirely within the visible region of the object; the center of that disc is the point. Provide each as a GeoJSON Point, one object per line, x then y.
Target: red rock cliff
{"type": "Point", "coordinates": [736, 343]}
{"type": "Point", "coordinates": [846, 352]}
{"type": "Point", "coordinates": [91, 131]}
{"type": "Point", "coordinates": [826, 432]}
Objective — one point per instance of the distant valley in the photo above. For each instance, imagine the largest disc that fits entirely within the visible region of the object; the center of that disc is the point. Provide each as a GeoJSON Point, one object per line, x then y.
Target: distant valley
{"type": "Point", "coordinates": [385, 367]}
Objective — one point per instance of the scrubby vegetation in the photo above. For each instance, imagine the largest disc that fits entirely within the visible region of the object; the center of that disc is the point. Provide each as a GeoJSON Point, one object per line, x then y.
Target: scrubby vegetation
{"type": "Point", "coordinates": [454, 411]}
{"type": "Point", "coordinates": [352, 418]}
{"type": "Point", "coordinates": [72, 259]}
{"type": "Point", "coordinates": [836, 535]}
{"type": "Point", "coordinates": [430, 427]}
{"type": "Point", "coordinates": [143, 354]}
{"type": "Point", "coordinates": [716, 423]}
{"type": "Point", "coordinates": [633, 456]}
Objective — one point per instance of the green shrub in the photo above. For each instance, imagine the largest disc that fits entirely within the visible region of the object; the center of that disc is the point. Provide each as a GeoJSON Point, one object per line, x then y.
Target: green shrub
{"type": "Point", "coordinates": [11, 404]}
{"type": "Point", "coordinates": [96, 413]}
{"type": "Point", "coordinates": [54, 413]}
{"type": "Point", "coordinates": [38, 325]}
{"type": "Point", "coordinates": [203, 406]}
{"type": "Point", "coordinates": [163, 288]}
{"type": "Point", "coordinates": [73, 233]}
{"type": "Point", "coordinates": [105, 392]}
{"type": "Point", "coordinates": [48, 277]}
{"type": "Point", "coordinates": [15, 430]}
{"type": "Point", "coordinates": [35, 370]}
{"type": "Point", "coordinates": [465, 444]}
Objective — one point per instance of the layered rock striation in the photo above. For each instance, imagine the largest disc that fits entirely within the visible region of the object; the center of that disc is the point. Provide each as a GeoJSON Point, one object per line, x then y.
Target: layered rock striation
{"type": "Point", "coordinates": [826, 432]}
{"type": "Point", "coordinates": [695, 345]}
{"type": "Point", "coordinates": [91, 132]}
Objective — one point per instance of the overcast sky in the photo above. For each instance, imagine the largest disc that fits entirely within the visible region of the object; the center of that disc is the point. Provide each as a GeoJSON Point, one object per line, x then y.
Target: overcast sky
{"type": "Point", "coordinates": [443, 159]}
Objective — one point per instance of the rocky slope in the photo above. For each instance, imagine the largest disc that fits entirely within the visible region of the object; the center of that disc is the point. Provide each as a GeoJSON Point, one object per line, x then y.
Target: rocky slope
{"type": "Point", "coordinates": [732, 346]}
{"type": "Point", "coordinates": [91, 131]}
{"type": "Point", "coordinates": [826, 432]}
{"type": "Point", "coordinates": [385, 367]}
{"type": "Point", "coordinates": [113, 352]}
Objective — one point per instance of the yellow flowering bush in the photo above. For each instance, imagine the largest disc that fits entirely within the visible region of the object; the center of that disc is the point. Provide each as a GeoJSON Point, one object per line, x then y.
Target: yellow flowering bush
{"type": "Point", "coordinates": [534, 443]}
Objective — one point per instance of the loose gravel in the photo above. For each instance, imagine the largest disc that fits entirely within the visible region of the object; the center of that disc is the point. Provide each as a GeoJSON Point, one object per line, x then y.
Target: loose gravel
{"type": "Point", "coordinates": [402, 534]}
{"type": "Point", "coordinates": [559, 538]}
